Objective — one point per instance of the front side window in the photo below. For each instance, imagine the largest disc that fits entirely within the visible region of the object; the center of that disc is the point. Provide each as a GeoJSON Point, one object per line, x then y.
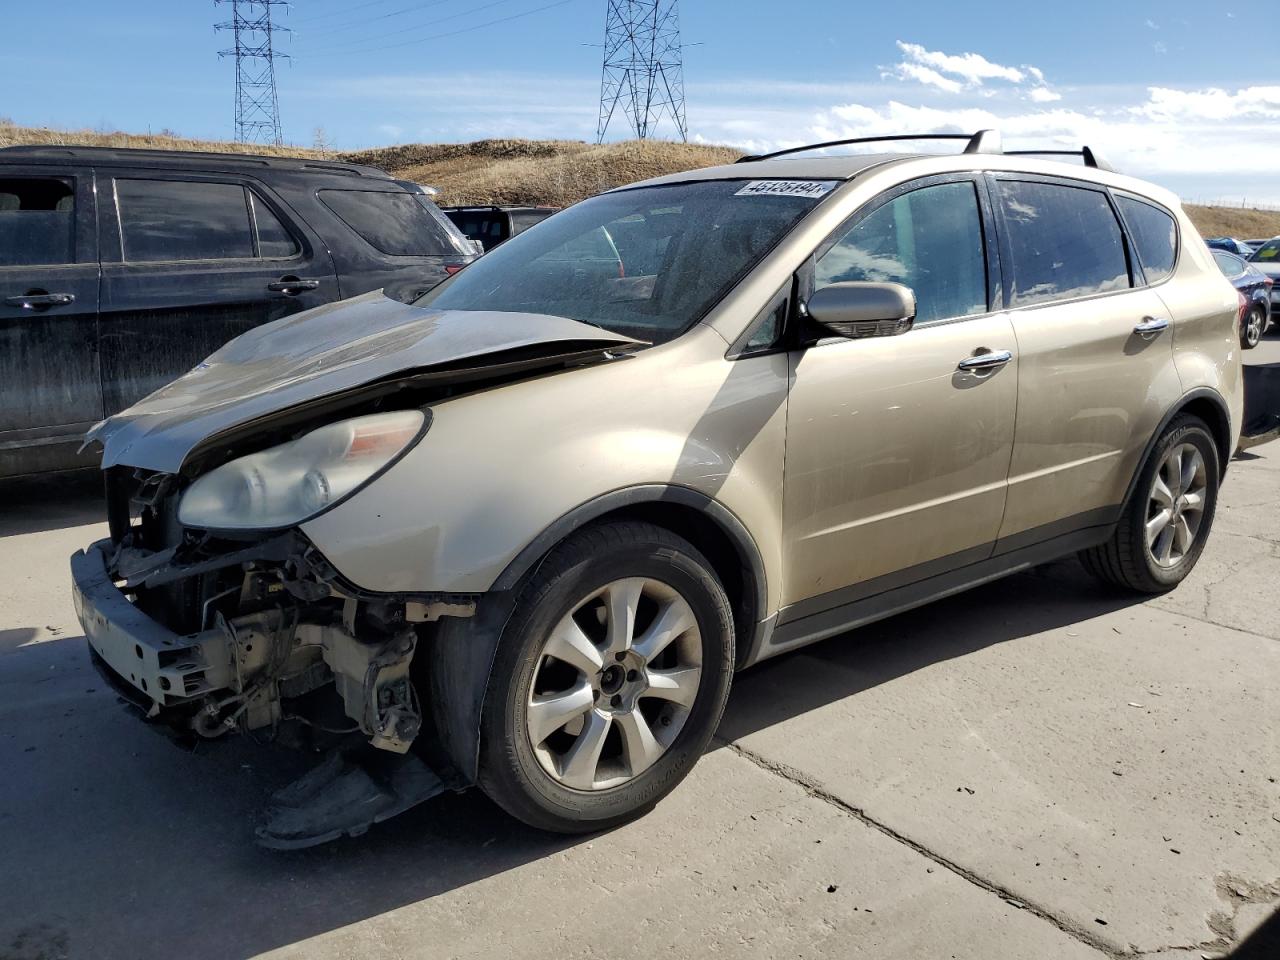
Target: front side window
{"type": "Point", "coordinates": [1064, 242]}
{"type": "Point", "coordinates": [1155, 235]}
{"type": "Point", "coordinates": [37, 222]}
{"type": "Point", "coordinates": [392, 223]}
{"type": "Point", "coordinates": [1269, 252]}
{"type": "Point", "coordinates": [647, 262]}
{"type": "Point", "coordinates": [183, 220]}
{"type": "Point", "coordinates": [929, 240]}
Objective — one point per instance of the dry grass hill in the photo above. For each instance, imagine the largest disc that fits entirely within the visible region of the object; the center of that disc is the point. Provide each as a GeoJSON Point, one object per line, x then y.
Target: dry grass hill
{"type": "Point", "coordinates": [556, 172]}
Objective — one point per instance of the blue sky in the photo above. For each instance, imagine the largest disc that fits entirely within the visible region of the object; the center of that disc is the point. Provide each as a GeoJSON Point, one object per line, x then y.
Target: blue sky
{"type": "Point", "coordinates": [1178, 92]}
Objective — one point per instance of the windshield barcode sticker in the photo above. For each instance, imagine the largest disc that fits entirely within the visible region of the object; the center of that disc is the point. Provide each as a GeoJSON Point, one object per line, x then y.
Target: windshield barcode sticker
{"type": "Point", "coordinates": [787, 188]}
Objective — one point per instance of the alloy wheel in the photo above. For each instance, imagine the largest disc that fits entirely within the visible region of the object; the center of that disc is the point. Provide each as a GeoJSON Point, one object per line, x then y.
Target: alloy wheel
{"type": "Point", "coordinates": [1175, 509]}
{"type": "Point", "coordinates": [1253, 328]}
{"type": "Point", "coordinates": [614, 683]}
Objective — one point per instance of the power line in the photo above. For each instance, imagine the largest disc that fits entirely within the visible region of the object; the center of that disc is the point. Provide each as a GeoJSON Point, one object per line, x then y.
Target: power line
{"type": "Point", "coordinates": [331, 28]}
{"type": "Point", "coordinates": [346, 8]}
{"type": "Point", "coordinates": [418, 26]}
{"type": "Point", "coordinates": [451, 33]}
{"type": "Point", "coordinates": [643, 67]}
{"type": "Point", "coordinates": [257, 106]}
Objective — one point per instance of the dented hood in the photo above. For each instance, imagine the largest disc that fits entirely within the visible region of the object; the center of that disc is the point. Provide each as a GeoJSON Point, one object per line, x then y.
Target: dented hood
{"type": "Point", "coordinates": [333, 349]}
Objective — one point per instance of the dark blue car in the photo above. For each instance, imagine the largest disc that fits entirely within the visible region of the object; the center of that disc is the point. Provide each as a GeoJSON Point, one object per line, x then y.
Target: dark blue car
{"type": "Point", "coordinates": [1255, 287]}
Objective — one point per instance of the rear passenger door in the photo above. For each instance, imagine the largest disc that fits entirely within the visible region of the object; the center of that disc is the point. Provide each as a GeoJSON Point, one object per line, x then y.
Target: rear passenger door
{"type": "Point", "coordinates": [1096, 370]}
{"type": "Point", "coordinates": [49, 392]}
{"type": "Point", "coordinates": [189, 262]}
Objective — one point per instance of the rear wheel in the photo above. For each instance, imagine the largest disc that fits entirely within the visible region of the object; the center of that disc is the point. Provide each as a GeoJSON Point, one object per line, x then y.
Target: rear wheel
{"type": "Point", "coordinates": [609, 681]}
{"type": "Point", "coordinates": [1254, 323]}
{"type": "Point", "coordinates": [1167, 521]}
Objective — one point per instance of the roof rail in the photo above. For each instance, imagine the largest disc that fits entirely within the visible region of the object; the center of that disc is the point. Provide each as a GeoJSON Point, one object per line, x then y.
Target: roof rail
{"type": "Point", "coordinates": [1091, 157]}
{"type": "Point", "coordinates": [984, 141]}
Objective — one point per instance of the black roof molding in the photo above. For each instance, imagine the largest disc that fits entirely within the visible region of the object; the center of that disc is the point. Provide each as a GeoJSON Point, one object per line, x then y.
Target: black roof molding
{"type": "Point", "coordinates": [984, 141]}
{"type": "Point", "coordinates": [139, 155]}
{"type": "Point", "coordinates": [1090, 156]}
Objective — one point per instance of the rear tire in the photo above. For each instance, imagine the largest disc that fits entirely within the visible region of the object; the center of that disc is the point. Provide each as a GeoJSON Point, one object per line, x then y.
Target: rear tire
{"type": "Point", "coordinates": [609, 680]}
{"type": "Point", "coordinates": [1163, 529]}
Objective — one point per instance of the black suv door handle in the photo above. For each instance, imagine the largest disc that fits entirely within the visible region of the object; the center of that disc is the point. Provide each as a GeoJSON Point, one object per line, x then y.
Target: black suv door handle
{"type": "Point", "coordinates": [292, 287]}
{"type": "Point", "coordinates": [37, 301]}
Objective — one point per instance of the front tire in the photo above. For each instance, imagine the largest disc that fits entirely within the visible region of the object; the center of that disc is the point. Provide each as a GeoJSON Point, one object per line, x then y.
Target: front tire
{"type": "Point", "coordinates": [1163, 529]}
{"type": "Point", "coordinates": [1255, 323]}
{"type": "Point", "coordinates": [609, 680]}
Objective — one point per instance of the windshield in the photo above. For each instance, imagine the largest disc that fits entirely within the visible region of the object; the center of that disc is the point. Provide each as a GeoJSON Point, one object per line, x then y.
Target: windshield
{"type": "Point", "coordinates": [1269, 252]}
{"type": "Point", "coordinates": [646, 263]}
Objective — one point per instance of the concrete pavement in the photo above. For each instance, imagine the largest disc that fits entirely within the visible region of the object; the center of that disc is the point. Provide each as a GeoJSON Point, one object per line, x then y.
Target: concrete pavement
{"type": "Point", "coordinates": [1037, 769]}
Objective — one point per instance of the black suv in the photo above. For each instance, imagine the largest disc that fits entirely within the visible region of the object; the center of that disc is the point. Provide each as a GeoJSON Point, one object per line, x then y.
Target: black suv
{"type": "Point", "coordinates": [121, 269]}
{"type": "Point", "coordinates": [492, 225]}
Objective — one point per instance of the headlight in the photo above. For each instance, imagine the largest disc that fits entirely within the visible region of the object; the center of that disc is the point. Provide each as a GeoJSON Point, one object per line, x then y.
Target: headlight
{"type": "Point", "coordinates": [285, 485]}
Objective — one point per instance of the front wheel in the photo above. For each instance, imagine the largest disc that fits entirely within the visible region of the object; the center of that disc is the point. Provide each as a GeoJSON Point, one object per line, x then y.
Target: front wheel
{"type": "Point", "coordinates": [609, 681]}
{"type": "Point", "coordinates": [1254, 322]}
{"type": "Point", "coordinates": [1165, 525]}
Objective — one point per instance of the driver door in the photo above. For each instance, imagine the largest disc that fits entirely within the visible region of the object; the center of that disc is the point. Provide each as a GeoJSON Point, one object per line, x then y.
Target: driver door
{"type": "Point", "coordinates": [898, 448]}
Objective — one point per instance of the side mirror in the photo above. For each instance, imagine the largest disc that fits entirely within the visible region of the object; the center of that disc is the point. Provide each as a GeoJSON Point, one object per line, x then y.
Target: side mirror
{"type": "Point", "coordinates": [857, 309]}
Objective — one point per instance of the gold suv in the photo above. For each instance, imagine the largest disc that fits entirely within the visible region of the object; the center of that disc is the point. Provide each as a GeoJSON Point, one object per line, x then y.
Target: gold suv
{"type": "Point", "coordinates": [521, 532]}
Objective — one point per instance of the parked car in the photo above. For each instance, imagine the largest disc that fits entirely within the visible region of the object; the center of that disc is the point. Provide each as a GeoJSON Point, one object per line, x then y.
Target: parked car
{"type": "Point", "coordinates": [492, 225]}
{"type": "Point", "coordinates": [1255, 296]}
{"type": "Point", "coordinates": [1266, 260]}
{"type": "Point", "coordinates": [1231, 245]}
{"type": "Point", "coordinates": [1258, 242]}
{"type": "Point", "coordinates": [120, 269]}
{"type": "Point", "coordinates": [524, 532]}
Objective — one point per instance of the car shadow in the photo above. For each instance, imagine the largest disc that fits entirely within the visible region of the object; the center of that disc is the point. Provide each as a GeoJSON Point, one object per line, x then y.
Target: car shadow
{"type": "Point", "coordinates": [51, 502]}
{"type": "Point", "coordinates": [118, 843]}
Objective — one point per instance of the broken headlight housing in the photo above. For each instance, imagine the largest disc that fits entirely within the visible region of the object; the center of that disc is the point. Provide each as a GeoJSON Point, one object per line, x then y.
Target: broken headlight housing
{"type": "Point", "coordinates": [284, 485]}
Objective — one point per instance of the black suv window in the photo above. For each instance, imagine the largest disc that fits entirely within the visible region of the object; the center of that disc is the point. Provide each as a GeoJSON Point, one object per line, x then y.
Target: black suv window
{"type": "Point", "coordinates": [37, 222]}
{"type": "Point", "coordinates": [274, 241]}
{"type": "Point", "coordinates": [181, 220]}
{"type": "Point", "coordinates": [393, 223]}
{"type": "Point", "coordinates": [1154, 234]}
{"type": "Point", "coordinates": [1064, 241]}
{"type": "Point", "coordinates": [929, 240]}
{"type": "Point", "coordinates": [198, 220]}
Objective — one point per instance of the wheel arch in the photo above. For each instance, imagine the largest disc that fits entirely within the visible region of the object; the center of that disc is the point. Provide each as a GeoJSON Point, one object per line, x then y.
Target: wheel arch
{"type": "Point", "coordinates": [459, 657]}
{"type": "Point", "coordinates": [1209, 406]}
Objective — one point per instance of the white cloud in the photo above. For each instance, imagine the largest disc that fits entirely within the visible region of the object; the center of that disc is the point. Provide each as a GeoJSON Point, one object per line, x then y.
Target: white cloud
{"type": "Point", "coordinates": [928, 76]}
{"type": "Point", "coordinates": [1152, 25]}
{"type": "Point", "coordinates": [972, 68]}
{"type": "Point", "coordinates": [1213, 103]}
{"type": "Point", "coordinates": [1043, 95]}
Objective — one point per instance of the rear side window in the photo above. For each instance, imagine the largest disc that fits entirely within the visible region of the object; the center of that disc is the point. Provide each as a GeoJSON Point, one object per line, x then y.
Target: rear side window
{"type": "Point", "coordinates": [197, 220]}
{"type": "Point", "coordinates": [1154, 234]}
{"type": "Point", "coordinates": [37, 222]}
{"type": "Point", "coordinates": [1065, 242]}
{"type": "Point", "coordinates": [929, 240]}
{"type": "Point", "coordinates": [180, 220]}
{"type": "Point", "coordinates": [1229, 263]}
{"type": "Point", "coordinates": [392, 223]}
{"type": "Point", "coordinates": [274, 241]}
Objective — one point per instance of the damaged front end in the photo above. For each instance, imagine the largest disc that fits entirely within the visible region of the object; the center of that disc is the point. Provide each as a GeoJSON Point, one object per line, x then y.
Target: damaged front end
{"type": "Point", "coordinates": [215, 635]}
{"type": "Point", "coordinates": [209, 635]}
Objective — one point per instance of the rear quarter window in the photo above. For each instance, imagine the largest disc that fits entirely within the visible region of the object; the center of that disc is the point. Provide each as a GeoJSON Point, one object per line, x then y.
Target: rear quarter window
{"type": "Point", "coordinates": [1064, 242]}
{"type": "Point", "coordinates": [392, 223]}
{"type": "Point", "coordinates": [1155, 235]}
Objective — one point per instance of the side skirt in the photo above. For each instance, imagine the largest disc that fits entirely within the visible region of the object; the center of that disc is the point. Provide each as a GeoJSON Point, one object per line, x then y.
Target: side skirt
{"type": "Point", "coordinates": [795, 632]}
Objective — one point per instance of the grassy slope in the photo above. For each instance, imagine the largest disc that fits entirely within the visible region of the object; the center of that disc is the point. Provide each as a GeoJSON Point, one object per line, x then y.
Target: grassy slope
{"type": "Point", "coordinates": [556, 172]}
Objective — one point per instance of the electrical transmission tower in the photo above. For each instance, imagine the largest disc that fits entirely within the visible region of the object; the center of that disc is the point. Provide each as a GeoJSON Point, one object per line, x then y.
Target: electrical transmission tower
{"type": "Point", "coordinates": [643, 68]}
{"type": "Point", "coordinates": [257, 108]}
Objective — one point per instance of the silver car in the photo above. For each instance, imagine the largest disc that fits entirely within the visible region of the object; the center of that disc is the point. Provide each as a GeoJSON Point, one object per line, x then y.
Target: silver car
{"type": "Point", "coordinates": [522, 532]}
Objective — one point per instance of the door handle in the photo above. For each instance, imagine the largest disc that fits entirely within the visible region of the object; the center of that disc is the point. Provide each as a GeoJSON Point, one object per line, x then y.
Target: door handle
{"type": "Point", "coordinates": [1150, 326]}
{"type": "Point", "coordinates": [38, 301]}
{"type": "Point", "coordinates": [985, 361]}
{"type": "Point", "coordinates": [292, 287]}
